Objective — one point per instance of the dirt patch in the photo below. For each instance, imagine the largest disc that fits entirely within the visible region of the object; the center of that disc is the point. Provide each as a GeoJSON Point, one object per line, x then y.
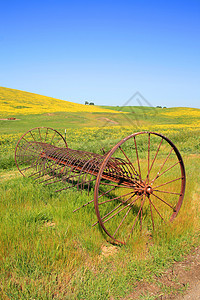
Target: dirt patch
{"type": "Point", "coordinates": [109, 120]}
{"type": "Point", "coordinates": [181, 281]}
{"type": "Point", "coordinates": [49, 224]}
{"type": "Point", "coordinates": [49, 114]}
{"type": "Point", "coordinates": [109, 250]}
{"type": "Point", "coordinates": [9, 175]}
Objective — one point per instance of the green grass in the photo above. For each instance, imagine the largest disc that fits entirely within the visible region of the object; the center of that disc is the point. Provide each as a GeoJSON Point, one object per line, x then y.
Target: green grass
{"type": "Point", "coordinates": [47, 252]}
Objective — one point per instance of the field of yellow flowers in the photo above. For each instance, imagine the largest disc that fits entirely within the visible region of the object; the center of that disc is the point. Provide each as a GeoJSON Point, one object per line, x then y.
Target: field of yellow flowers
{"type": "Point", "coordinates": [182, 112]}
{"type": "Point", "coordinates": [15, 102]}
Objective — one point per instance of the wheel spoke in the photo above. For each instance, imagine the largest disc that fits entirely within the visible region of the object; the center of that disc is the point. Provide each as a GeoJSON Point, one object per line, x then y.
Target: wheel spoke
{"type": "Point", "coordinates": [58, 141]}
{"type": "Point", "coordinates": [155, 156]}
{"type": "Point", "coordinates": [121, 209]}
{"type": "Point", "coordinates": [116, 198]}
{"type": "Point", "coordinates": [168, 182]}
{"type": "Point", "coordinates": [46, 134]}
{"type": "Point", "coordinates": [151, 213]}
{"type": "Point", "coordinates": [163, 201]}
{"type": "Point", "coordinates": [148, 160]}
{"type": "Point", "coordinates": [118, 207]}
{"type": "Point", "coordinates": [142, 203]}
{"type": "Point", "coordinates": [155, 190]}
{"type": "Point", "coordinates": [138, 161]}
{"type": "Point", "coordinates": [157, 175]}
{"type": "Point", "coordinates": [141, 219]}
{"type": "Point", "coordinates": [52, 137]}
{"type": "Point", "coordinates": [122, 220]}
{"type": "Point", "coordinates": [117, 213]}
{"type": "Point", "coordinates": [157, 210]}
{"type": "Point", "coordinates": [32, 136]}
{"type": "Point", "coordinates": [40, 134]}
{"type": "Point", "coordinates": [108, 214]}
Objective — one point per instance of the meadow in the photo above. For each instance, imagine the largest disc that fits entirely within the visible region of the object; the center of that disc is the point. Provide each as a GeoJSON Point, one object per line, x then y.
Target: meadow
{"type": "Point", "coordinates": [48, 252]}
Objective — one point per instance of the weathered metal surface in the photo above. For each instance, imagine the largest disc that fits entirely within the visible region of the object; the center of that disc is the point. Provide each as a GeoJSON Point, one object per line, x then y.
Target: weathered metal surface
{"type": "Point", "coordinates": [126, 187]}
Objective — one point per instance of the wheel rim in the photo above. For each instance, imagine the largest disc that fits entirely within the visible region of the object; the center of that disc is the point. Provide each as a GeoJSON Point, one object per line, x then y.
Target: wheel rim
{"type": "Point", "coordinates": [151, 190]}
{"type": "Point", "coordinates": [31, 145]}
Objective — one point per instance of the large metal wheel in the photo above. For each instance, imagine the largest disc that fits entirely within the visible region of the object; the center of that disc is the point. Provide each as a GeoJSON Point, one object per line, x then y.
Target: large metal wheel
{"type": "Point", "coordinates": [29, 149]}
{"type": "Point", "coordinates": [149, 193]}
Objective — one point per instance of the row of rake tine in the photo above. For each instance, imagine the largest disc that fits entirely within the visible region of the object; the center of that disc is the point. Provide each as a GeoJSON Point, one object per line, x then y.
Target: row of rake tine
{"type": "Point", "coordinates": [67, 165]}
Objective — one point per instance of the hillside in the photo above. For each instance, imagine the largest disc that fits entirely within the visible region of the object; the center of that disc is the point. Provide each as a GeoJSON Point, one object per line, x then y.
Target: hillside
{"type": "Point", "coordinates": [176, 112]}
{"type": "Point", "coordinates": [15, 102]}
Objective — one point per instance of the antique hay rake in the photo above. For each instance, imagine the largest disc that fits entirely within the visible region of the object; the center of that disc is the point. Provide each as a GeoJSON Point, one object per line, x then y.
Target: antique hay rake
{"type": "Point", "coordinates": [139, 182]}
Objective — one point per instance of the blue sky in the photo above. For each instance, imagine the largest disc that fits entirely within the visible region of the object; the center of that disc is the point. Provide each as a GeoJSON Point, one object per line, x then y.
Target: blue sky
{"type": "Point", "coordinates": [103, 51]}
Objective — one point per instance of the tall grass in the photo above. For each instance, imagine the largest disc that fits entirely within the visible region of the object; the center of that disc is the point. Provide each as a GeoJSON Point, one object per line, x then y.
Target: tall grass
{"type": "Point", "coordinates": [48, 252]}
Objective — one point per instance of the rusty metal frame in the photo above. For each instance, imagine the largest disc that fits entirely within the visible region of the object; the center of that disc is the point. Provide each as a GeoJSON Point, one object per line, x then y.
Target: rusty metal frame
{"type": "Point", "coordinates": [39, 154]}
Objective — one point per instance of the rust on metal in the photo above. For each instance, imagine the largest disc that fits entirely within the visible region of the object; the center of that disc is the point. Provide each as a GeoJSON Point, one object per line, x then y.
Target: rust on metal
{"type": "Point", "coordinates": [141, 177]}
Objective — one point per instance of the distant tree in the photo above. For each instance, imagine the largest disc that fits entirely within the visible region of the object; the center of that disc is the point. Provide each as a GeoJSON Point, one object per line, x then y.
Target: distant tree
{"type": "Point", "coordinates": [158, 106]}
{"type": "Point", "coordinates": [91, 103]}
{"type": "Point", "coordinates": [86, 102]}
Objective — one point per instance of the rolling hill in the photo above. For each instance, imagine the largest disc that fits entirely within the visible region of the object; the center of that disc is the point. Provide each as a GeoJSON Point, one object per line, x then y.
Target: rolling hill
{"type": "Point", "coordinates": [16, 102]}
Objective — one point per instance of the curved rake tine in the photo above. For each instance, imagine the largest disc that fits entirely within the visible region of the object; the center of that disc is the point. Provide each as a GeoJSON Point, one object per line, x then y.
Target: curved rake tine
{"type": "Point", "coordinates": [116, 198]}
{"type": "Point", "coordinates": [133, 168]}
{"type": "Point", "coordinates": [83, 205]}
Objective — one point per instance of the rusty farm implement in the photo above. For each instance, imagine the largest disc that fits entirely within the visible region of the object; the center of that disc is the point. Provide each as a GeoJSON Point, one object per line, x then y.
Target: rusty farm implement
{"type": "Point", "coordinates": [139, 182]}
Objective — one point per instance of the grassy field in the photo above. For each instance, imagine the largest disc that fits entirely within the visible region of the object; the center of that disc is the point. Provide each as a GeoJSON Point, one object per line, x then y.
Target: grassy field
{"type": "Point", "coordinates": [15, 102]}
{"type": "Point", "coordinates": [47, 252]}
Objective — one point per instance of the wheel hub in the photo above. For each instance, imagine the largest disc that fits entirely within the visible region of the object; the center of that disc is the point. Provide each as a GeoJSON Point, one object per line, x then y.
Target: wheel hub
{"type": "Point", "coordinates": [144, 189]}
{"type": "Point", "coordinates": [148, 190]}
